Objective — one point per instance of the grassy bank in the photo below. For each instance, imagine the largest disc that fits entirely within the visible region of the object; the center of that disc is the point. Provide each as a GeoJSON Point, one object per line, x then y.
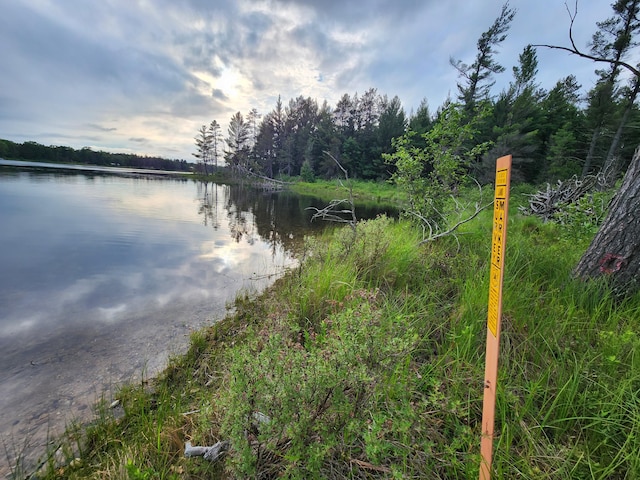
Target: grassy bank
{"type": "Point", "coordinates": [373, 192]}
{"type": "Point", "coordinates": [368, 362]}
{"type": "Point", "coordinates": [364, 192]}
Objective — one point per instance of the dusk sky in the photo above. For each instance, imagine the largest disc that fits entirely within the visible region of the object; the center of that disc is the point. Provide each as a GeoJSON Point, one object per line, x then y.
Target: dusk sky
{"type": "Point", "coordinates": [141, 76]}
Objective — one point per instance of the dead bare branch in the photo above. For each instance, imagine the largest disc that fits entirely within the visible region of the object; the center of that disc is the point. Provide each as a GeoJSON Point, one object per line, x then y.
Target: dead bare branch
{"type": "Point", "coordinates": [546, 203]}
{"type": "Point", "coordinates": [331, 212]}
{"type": "Point", "coordinates": [576, 51]}
{"type": "Point", "coordinates": [268, 180]}
{"type": "Point", "coordinates": [434, 228]}
{"type": "Point", "coordinates": [451, 230]}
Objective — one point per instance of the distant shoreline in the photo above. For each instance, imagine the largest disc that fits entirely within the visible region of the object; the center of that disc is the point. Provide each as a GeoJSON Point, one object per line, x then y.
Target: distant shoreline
{"type": "Point", "coordinates": [92, 168]}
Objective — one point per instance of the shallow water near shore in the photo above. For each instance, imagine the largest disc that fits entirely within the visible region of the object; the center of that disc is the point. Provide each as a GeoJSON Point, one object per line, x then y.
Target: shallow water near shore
{"type": "Point", "coordinates": [104, 277]}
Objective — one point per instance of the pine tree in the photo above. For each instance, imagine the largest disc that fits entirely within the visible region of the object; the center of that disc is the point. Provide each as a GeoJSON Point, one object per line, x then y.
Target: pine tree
{"type": "Point", "coordinates": [216, 139]}
{"type": "Point", "coordinates": [203, 144]}
{"type": "Point", "coordinates": [612, 41]}
{"type": "Point", "coordinates": [477, 76]}
{"type": "Point", "coordinates": [237, 153]}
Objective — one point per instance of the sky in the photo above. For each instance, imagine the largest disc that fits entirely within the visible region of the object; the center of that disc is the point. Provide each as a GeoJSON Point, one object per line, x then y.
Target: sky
{"type": "Point", "coordinates": [141, 76]}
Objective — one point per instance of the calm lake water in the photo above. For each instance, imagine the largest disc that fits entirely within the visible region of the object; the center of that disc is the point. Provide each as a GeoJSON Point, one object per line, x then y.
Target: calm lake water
{"type": "Point", "coordinates": [102, 277]}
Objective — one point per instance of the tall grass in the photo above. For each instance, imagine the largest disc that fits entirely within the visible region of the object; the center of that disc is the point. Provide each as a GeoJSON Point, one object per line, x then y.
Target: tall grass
{"type": "Point", "coordinates": [368, 362]}
{"type": "Point", "coordinates": [365, 192]}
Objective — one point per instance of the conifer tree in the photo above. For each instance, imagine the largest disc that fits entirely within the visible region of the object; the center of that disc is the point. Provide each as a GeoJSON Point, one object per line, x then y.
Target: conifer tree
{"type": "Point", "coordinates": [476, 78]}
{"type": "Point", "coordinates": [203, 144]}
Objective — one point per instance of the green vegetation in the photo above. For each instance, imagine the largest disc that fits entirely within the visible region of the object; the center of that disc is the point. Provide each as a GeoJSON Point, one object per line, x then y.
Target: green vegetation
{"type": "Point", "coordinates": [367, 362]}
{"type": "Point", "coordinates": [221, 175]}
{"type": "Point", "coordinates": [375, 192]}
{"type": "Point", "coordinates": [429, 175]}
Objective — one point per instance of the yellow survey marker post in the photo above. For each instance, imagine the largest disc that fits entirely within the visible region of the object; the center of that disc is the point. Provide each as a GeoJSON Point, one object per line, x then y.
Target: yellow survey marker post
{"type": "Point", "coordinates": [498, 243]}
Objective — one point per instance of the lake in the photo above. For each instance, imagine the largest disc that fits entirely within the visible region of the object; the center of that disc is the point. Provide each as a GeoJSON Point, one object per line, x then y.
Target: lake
{"type": "Point", "coordinates": [103, 277]}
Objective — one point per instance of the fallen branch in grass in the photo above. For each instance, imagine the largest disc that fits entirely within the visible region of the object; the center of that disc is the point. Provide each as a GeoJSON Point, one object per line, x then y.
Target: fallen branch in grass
{"type": "Point", "coordinates": [439, 230]}
{"type": "Point", "coordinates": [211, 453]}
{"type": "Point", "coordinates": [450, 231]}
{"type": "Point", "coordinates": [215, 451]}
{"type": "Point", "coordinates": [370, 466]}
{"type": "Point", "coordinates": [546, 203]}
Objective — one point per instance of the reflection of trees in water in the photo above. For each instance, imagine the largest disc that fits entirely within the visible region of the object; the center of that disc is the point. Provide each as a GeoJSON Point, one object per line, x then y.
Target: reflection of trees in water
{"type": "Point", "coordinates": [278, 218]}
{"type": "Point", "coordinates": [208, 194]}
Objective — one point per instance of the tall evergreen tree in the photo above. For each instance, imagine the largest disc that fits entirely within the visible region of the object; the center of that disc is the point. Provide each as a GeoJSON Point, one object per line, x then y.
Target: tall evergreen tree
{"type": "Point", "coordinates": [237, 153]}
{"type": "Point", "coordinates": [326, 144]}
{"type": "Point", "coordinates": [420, 121]}
{"type": "Point", "coordinates": [343, 115]}
{"type": "Point", "coordinates": [562, 131]}
{"type": "Point", "coordinates": [391, 124]}
{"type": "Point", "coordinates": [252, 120]}
{"type": "Point", "coordinates": [203, 145]}
{"type": "Point", "coordinates": [215, 135]}
{"type": "Point", "coordinates": [613, 41]}
{"type": "Point", "coordinates": [278, 120]}
{"type": "Point", "coordinates": [367, 115]}
{"type": "Point", "coordinates": [476, 78]}
{"type": "Point", "coordinates": [516, 118]}
{"type": "Point", "coordinates": [300, 124]}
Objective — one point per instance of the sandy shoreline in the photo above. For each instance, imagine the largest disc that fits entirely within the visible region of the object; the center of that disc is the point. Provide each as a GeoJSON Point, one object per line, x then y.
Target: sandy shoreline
{"type": "Point", "coordinates": [49, 382]}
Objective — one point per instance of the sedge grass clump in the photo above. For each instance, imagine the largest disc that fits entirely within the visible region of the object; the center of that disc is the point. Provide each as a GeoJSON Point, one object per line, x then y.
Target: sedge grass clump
{"type": "Point", "coordinates": [382, 252]}
{"type": "Point", "coordinates": [379, 253]}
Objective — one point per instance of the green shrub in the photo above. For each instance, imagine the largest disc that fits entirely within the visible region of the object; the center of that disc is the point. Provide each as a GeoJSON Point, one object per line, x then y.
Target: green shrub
{"type": "Point", "coordinates": [306, 172]}
{"type": "Point", "coordinates": [583, 217]}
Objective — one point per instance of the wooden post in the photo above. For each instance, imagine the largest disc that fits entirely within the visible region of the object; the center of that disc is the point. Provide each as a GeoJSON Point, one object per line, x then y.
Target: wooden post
{"type": "Point", "coordinates": [494, 315]}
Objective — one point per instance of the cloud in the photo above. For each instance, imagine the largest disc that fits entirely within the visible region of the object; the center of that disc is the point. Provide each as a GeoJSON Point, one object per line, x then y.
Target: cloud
{"type": "Point", "coordinates": [218, 94]}
{"type": "Point", "coordinates": [359, 13]}
{"type": "Point", "coordinates": [159, 71]}
{"type": "Point", "coordinates": [101, 128]}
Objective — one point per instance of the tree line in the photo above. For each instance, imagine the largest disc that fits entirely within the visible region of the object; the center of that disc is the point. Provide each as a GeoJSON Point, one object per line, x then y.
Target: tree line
{"type": "Point", "coordinates": [292, 139]}
{"type": "Point", "coordinates": [552, 134]}
{"type": "Point", "coordinates": [36, 152]}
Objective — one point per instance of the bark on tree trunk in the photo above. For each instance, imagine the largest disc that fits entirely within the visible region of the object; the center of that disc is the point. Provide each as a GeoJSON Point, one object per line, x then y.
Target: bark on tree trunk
{"type": "Point", "coordinates": [586, 168]}
{"type": "Point", "coordinates": [615, 250]}
{"type": "Point", "coordinates": [611, 166]}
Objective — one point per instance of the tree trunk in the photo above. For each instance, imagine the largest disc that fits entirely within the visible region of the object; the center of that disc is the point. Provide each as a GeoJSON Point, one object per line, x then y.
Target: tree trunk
{"type": "Point", "coordinates": [592, 148]}
{"type": "Point", "coordinates": [611, 166]}
{"type": "Point", "coordinates": [615, 250]}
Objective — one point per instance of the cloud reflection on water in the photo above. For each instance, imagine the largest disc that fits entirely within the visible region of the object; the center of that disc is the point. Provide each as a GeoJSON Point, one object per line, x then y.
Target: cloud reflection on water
{"type": "Point", "coordinates": [104, 277]}
{"type": "Point", "coordinates": [131, 245]}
